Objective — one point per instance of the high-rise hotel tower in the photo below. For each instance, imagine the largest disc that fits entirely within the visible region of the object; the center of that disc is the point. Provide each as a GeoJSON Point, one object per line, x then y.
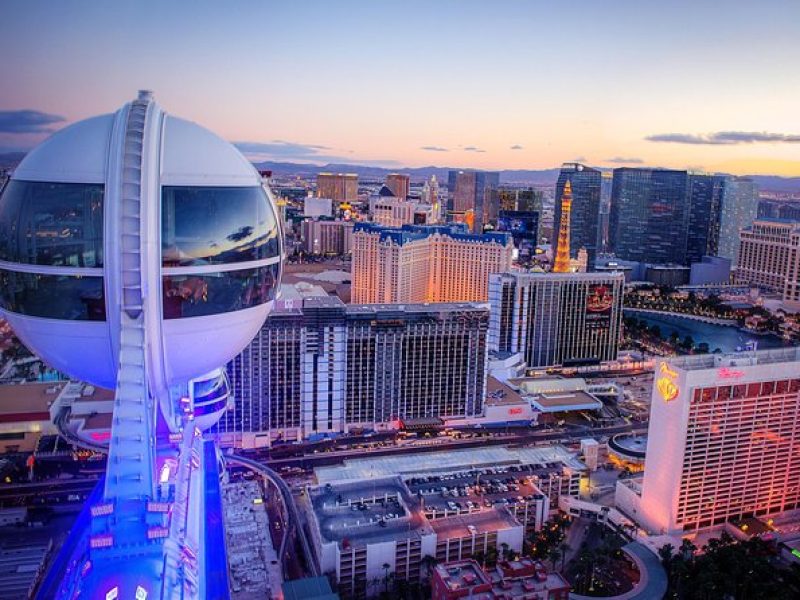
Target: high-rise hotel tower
{"type": "Point", "coordinates": [725, 442]}
{"type": "Point", "coordinates": [326, 367]}
{"type": "Point", "coordinates": [556, 318]}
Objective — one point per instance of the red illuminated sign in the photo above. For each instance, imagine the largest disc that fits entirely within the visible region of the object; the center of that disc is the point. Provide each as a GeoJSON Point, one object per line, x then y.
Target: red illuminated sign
{"type": "Point", "coordinates": [515, 411]}
{"type": "Point", "coordinates": [726, 373]}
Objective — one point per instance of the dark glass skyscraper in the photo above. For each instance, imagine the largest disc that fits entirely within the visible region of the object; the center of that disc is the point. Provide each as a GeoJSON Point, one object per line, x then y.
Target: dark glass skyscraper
{"type": "Point", "coordinates": [705, 203]}
{"type": "Point", "coordinates": [474, 191]}
{"type": "Point", "coordinates": [739, 210]}
{"type": "Point", "coordinates": [649, 215]}
{"type": "Point", "coordinates": [585, 215]}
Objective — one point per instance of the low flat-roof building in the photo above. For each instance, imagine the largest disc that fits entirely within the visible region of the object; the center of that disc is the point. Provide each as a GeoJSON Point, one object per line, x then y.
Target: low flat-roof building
{"type": "Point", "coordinates": [517, 579]}
{"type": "Point", "coordinates": [462, 536]}
{"type": "Point", "coordinates": [363, 531]}
{"type": "Point", "coordinates": [25, 414]}
{"type": "Point", "coordinates": [544, 396]}
{"type": "Point", "coordinates": [628, 450]}
{"type": "Point", "coordinates": [460, 579]}
{"type": "Point", "coordinates": [553, 470]}
{"type": "Point", "coordinates": [308, 588]}
{"type": "Point", "coordinates": [358, 527]}
{"type": "Point", "coordinates": [86, 410]}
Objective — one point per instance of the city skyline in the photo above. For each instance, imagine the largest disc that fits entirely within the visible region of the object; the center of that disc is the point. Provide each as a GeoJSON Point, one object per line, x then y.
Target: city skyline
{"type": "Point", "coordinates": [481, 86]}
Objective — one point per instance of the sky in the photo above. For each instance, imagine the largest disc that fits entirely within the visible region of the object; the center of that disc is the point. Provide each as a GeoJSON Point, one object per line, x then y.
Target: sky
{"type": "Point", "coordinates": [506, 84]}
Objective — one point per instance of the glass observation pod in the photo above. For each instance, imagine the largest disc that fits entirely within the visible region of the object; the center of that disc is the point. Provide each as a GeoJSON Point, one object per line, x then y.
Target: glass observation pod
{"type": "Point", "coordinates": [215, 224]}
{"type": "Point", "coordinates": [209, 396]}
{"type": "Point", "coordinates": [140, 252]}
{"type": "Point", "coordinates": [61, 225]}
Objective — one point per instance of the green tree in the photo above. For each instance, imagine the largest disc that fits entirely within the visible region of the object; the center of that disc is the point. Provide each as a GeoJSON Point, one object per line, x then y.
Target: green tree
{"type": "Point", "coordinates": [554, 555]}
{"type": "Point", "coordinates": [563, 548]}
{"type": "Point", "coordinates": [428, 563]}
{"type": "Point", "coordinates": [504, 552]}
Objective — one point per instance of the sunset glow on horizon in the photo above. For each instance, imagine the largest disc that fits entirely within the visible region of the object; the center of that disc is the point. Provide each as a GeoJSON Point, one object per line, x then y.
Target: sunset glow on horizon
{"type": "Point", "coordinates": [504, 85]}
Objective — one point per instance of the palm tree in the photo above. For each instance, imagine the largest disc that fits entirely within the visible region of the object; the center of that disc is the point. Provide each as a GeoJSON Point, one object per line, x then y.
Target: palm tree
{"type": "Point", "coordinates": [386, 567]}
{"type": "Point", "coordinates": [563, 547]}
{"type": "Point", "coordinates": [666, 553]}
{"type": "Point", "coordinates": [429, 562]}
{"type": "Point", "coordinates": [491, 556]}
{"type": "Point", "coordinates": [687, 549]}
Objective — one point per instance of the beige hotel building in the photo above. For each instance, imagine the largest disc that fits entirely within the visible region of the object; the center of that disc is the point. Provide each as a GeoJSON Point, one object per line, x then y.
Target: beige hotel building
{"type": "Point", "coordinates": [416, 263]}
{"type": "Point", "coordinates": [769, 258]}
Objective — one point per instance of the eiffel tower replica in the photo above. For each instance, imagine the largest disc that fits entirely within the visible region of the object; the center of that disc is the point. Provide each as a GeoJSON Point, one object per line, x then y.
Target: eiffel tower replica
{"type": "Point", "coordinates": [561, 262]}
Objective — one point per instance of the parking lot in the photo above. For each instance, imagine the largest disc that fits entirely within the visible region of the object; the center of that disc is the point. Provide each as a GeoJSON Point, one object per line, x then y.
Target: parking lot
{"type": "Point", "coordinates": [637, 394]}
{"type": "Point", "coordinates": [473, 490]}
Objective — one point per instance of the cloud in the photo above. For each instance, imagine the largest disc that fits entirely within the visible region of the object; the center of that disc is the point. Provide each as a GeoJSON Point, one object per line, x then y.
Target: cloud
{"type": "Point", "coordinates": [27, 121]}
{"type": "Point", "coordinates": [580, 159]}
{"type": "Point", "coordinates": [473, 149]}
{"type": "Point", "coordinates": [725, 138]}
{"type": "Point", "coordinates": [516, 147]}
{"type": "Point", "coordinates": [284, 151]}
{"type": "Point", "coordinates": [280, 148]}
{"type": "Point", "coordinates": [243, 233]}
{"type": "Point", "coordinates": [434, 149]}
{"type": "Point", "coordinates": [619, 160]}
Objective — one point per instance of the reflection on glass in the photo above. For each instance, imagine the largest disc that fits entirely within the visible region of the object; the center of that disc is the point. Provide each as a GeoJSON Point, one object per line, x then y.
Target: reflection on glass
{"type": "Point", "coordinates": [53, 296]}
{"type": "Point", "coordinates": [211, 395]}
{"type": "Point", "coordinates": [58, 224]}
{"type": "Point", "coordinates": [214, 293]}
{"type": "Point", "coordinates": [216, 225]}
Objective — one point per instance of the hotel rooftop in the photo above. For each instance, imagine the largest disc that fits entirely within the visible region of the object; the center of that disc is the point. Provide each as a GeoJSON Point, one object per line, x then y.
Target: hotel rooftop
{"type": "Point", "coordinates": [370, 511]}
{"type": "Point", "coordinates": [432, 463]}
{"type": "Point", "coordinates": [746, 358]}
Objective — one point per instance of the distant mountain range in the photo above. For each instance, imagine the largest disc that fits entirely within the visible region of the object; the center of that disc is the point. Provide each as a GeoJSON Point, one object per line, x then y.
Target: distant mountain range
{"type": "Point", "coordinates": [771, 183]}
{"type": "Point", "coordinates": [542, 177]}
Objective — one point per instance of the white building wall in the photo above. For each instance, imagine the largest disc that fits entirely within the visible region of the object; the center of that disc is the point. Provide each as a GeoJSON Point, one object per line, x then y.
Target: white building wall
{"type": "Point", "coordinates": [665, 449]}
{"type": "Point", "coordinates": [323, 401]}
{"type": "Point", "coordinates": [428, 545]}
{"type": "Point", "coordinates": [317, 207]}
{"type": "Point", "coordinates": [512, 536]}
{"type": "Point", "coordinates": [379, 554]}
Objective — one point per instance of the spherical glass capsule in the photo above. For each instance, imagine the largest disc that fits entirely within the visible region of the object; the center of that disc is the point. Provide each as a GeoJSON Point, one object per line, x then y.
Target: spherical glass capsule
{"type": "Point", "coordinates": [209, 236]}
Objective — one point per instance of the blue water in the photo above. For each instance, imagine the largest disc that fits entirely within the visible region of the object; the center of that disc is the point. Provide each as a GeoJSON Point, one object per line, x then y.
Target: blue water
{"type": "Point", "coordinates": [725, 337]}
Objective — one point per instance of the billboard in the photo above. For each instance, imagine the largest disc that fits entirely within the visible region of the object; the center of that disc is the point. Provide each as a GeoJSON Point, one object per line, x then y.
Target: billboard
{"type": "Point", "coordinates": [599, 301]}
{"type": "Point", "coordinates": [523, 226]}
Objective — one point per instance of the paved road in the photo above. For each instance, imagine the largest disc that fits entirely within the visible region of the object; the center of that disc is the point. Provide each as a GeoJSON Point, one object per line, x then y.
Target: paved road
{"type": "Point", "coordinates": [291, 508]}
{"type": "Point", "coordinates": [61, 421]}
{"type": "Point", "coordinates": [527, 437]}
{"type": "Point", "coordinates": [49, 491]}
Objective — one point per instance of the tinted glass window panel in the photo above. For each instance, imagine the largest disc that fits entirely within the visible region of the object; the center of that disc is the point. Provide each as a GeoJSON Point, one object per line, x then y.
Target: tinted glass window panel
{"type": "Point", "coordinates": [216, 225]}
{"type": "Point", "coordinates": [53, 296]}
{"type": "Point", "coordinates": [58, 224]}
{"type": "Point", "coordinates": [215, 293]}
